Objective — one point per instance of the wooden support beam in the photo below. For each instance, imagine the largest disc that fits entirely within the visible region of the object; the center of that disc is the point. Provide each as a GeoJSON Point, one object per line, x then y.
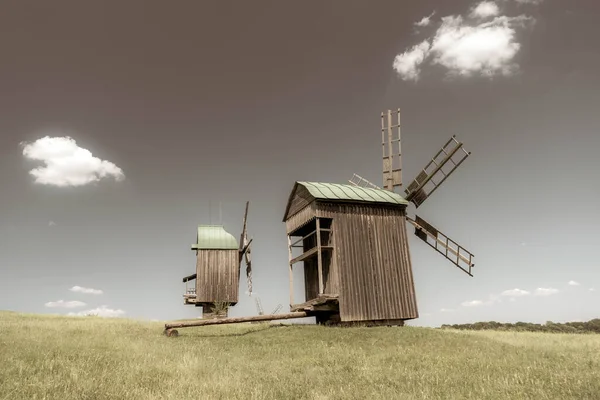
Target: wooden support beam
{"type": "Point", "coordinates": [291, 271]}
{"type": "Point", "coordinates": [319, 257]}
{"type": "Point", "coordinates": [238, 320]}
{"type": "Point", "coordinates": [310, 253]}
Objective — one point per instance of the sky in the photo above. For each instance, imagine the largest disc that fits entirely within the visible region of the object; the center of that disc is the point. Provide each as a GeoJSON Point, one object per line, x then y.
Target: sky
{"type": "Point", "coordinates": [126, 124]}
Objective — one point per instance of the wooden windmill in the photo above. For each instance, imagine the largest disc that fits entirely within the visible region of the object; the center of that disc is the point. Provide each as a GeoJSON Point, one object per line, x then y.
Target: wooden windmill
{"type": "Point", "coordinates": [219, 257]}
{"type": "Point", "coordinates": [354, 243]}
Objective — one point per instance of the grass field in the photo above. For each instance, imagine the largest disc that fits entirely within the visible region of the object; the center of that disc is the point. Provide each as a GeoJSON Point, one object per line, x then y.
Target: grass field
{"type": "Point", "coordinates": [48, 357]}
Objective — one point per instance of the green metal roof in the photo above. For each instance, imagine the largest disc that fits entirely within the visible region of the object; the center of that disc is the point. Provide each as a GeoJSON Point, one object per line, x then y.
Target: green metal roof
{"type": "Point", "coordinates": [335, 191]}
{"type": "Point", "coordinates": [346, 192]}
{"type": "Point", "coordinates": [214, 237]}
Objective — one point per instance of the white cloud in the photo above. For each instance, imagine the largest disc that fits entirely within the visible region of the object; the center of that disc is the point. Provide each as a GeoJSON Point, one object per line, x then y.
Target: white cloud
{"type": "Point", "coordinates": [487, 49]}
{"type": "Point", "coordinates": [446, 310]}
{"type": "Point", "coordinates": [65, 304]}
{"type": "Point", "coordinates": [102, 311]}
{"type": "Point", "coordinates": [473, 303]}
{"type": "Point", "coordinates": [67, 164]}
{"type": "Point", "coordinates": [408, 64]}
{"type": "Point", "coordinates": [515, 293]}
{"type": "Point", "coordinates": [485, 9]}
{"type": "Point", "coordinates": [79, 289]}
{"type": "Point", "coordinates": [545, 291]}
{"type": "Point", "coordinates": [573, 283]}
{"type": "Point", "coordinates": [476, 303]}
{"type": "Point", "coordinates": [425, 21]}
{"type": "Point", "coordinates": [467, 48]}
{"type": "Point", "coordinates": [51, 223]}
{"type": "Point", "coordinates": [592, 289]}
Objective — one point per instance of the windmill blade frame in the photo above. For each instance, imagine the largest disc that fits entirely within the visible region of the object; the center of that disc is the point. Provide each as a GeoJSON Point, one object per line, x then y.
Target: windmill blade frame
{"type": "Point", "coordinates": [245, 250]}
{"type": "Point", "coordinates": [276, 310]}
{"type": "Point", "coordinates": [359, 181]}
{"type": "Point", "coordinates": [259, 307]}
{"type": "Point", "coordinates": [392, 160]}
{"type": "Point", "coordinates": [461, 257]}
{"type": "Point", "coordinates": [416, 191]}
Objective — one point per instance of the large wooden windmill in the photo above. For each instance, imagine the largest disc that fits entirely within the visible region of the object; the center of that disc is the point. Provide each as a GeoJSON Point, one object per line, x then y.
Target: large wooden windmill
{"type": "Point", "coordinates": [354, 242]}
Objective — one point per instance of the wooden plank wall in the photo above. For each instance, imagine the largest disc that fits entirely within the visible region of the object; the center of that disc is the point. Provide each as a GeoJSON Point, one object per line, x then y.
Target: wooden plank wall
{"type": "Point", "coordinates": [373, 260]}
{"type": "Point", "coordinates": [300, 200]}
{"type": "Point", "coordinates": [301, 218]}
{"type": "Point", "coordinates": [217, 276]}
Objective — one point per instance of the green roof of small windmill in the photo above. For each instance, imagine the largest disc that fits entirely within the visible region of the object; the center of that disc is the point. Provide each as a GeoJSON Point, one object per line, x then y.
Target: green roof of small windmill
{"type": "Point", "coordinates": [347, 192]}
{"type": "Point", "coordinates": [214, 237]}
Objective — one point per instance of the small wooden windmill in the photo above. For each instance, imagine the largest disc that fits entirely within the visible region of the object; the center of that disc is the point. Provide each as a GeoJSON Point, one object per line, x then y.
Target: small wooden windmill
{"type": "Point", "coordinates": [354, 243]}
{"type": "Point", "coordinates": [218, 269]}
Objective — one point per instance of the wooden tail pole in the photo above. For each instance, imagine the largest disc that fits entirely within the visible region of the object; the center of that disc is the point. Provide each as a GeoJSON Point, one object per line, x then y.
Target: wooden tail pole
{"type": "Point", "coordinates": [238, 320]}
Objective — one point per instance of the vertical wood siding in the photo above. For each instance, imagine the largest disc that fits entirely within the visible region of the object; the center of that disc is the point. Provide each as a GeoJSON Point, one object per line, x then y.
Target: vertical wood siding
{"type": "Point", "coordinates": [300, 200]}
{"type": "Point", "coordinates": [301, 218]}
{"type": "Point", "coordinates": [217, 276]}
{"type": "Point", "coordinates": [372, 261]}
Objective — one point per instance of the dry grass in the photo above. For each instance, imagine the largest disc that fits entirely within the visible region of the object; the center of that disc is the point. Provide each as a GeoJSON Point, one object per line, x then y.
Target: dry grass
{"type": "Point", "coordinates": [92, 358]}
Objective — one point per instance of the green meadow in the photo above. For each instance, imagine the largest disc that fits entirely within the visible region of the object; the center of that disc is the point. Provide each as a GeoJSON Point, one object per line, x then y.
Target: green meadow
{"type": "Point", "coordinates": [53, 357]}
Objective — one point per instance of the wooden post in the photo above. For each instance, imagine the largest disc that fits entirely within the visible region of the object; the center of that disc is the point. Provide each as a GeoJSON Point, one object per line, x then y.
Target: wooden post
{"type": "Point", "coordinates": [291, 271]}
{"type": "Point", "coordinates": [319, 257]}
{"type": "Point", "coordinates": [237, 320]}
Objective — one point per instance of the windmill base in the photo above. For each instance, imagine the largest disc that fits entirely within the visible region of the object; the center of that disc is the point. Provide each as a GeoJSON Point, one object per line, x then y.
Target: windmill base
{"type": "Point", "coordinates": [333, 319]}
{"type": "Point", "coordinates": [209, 313]}
{"type": "Point", "coordinates": [326, 310]}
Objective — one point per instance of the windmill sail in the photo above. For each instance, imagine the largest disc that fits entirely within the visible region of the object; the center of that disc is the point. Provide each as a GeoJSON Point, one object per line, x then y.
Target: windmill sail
{"type": "Point", "coordinates": [392, 159]}
{"type": "Point", "coordinates": [432, 176]}
{"type": "Point", "coordinates": [245, 250]}
{"type": "Point", "coordinates": [457, 254]}
{"type": "Point", "coordinates": [276, 310]}
{"type": "Point", "coordinates": [259, 306]}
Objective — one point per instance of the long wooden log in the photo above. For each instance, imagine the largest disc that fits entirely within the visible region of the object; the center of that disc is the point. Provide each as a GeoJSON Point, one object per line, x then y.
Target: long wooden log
{"type": "Point", "coordinates": [237, 320]}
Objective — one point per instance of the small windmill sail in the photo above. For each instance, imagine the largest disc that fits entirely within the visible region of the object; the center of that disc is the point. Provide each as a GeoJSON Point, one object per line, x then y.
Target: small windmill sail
{"type": "Point", "coordinates": [245, 250]}
{"type": "Point", "coordinates": [276, 310]}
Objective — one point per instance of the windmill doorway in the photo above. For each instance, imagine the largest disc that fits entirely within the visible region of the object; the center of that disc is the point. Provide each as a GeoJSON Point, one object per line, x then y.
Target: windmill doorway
{"type": "Point", "coordinates": [312, 246]}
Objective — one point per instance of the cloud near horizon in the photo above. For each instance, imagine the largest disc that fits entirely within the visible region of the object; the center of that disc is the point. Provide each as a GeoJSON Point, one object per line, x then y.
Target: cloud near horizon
{"type": "Point", "coordinates": [545, 291]}
{"type": "Point", "coordinates": [67, 164]}
{"type": "Point", "coordinates": [513, 294]}
{"type": "Point", "coordinates": [65, 304]}
{"type": "Point", "coordinates": [79, 289]}
{"type": "Point", "coordinates": [483, 43]}
{"type": "Point", "coordinates": [102, 311]}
